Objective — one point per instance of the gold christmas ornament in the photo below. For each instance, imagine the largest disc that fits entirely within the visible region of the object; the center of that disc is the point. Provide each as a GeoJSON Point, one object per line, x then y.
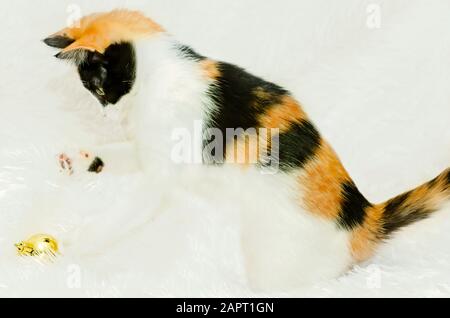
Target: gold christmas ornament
{"type": "Point", "coordinates": [39, 244]}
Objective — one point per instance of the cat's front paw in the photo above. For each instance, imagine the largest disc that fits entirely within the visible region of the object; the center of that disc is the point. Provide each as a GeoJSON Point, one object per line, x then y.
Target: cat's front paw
{"type": "Point", "coordinates": [83, 161]}
{"type": "Point", "coordinates": [96, 164]}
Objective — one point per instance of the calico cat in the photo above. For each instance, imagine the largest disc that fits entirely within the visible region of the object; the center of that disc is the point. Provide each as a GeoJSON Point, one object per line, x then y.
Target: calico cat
{"type": "Point", "coordinates": [304, 221]}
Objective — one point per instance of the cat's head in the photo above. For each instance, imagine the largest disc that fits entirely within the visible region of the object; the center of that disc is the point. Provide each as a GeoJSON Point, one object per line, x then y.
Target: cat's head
{"type": "Point", "coordinates": [101, 47]}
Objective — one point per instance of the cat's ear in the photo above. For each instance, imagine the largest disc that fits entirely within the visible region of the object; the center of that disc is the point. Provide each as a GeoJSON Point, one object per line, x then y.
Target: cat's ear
{"type": "Point", "coordinates": [81, 55]}
{"type": "Point", "coordinates": [78, 56]}
{"type": "Point", "coordinates": [58, 41]}
{"type": "Point", "coordinates": [78, 51]}
{"type": "Point", "coordinates": [62, 40]}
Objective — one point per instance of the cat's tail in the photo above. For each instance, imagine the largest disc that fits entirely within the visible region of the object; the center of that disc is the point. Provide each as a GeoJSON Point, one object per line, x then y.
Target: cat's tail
{"type": "Point", "coordinates": [415, 205]}
{"type": "Point", "coordinates": [382, 220]}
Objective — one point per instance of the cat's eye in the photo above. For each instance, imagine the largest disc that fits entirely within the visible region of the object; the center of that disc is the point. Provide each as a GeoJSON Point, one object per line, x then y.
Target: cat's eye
{"type": "Point", "coordinates": [100, 91]}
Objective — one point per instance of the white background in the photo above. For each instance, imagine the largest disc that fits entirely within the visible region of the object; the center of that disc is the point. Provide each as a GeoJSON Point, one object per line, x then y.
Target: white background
{"type": "Point", "coordinates": [380, 95]}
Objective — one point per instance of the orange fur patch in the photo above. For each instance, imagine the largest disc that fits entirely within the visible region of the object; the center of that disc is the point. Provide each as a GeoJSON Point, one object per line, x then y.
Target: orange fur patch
{"type": "Point", "coordinates": [281, 116]}
{"type": "Point", "coordinates": [365, 239]}
{"type": "Point", "coordinates": [249, 149]}
{"type": "Point", "coordinates": [262, 94]}
{"type": "Point", "coordinates": [210, 69]}
{"type": "Point", "coordinates": [96, 32]}
{"type": "Point", "coordinates": [321, 181]}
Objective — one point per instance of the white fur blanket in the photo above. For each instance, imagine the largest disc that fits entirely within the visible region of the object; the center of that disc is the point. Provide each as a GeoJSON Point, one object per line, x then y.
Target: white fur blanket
{"type": "Point", "coordinates": [374, 76]}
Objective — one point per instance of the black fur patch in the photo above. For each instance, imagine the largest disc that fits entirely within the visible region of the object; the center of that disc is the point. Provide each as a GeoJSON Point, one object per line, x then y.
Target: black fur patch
{"type": "Point", "coordinates": [237, 105]}
{"type": "Point", "coordinates": [111, 75]}
{"type": "Point", "coordinates": [59, 41]}
{"type": "Point", "coordinates": [96, 165]}
{"type": "Point", "coordinates": [189, 53]}
{"type": "Point", "coordinates": [298, 145]}
{"type": "Point", "coordinates": [353, 208]}
{"type": "Point", "coordinates": [395, 204]}
{"type": "Point", "coordinates": [397, 214]}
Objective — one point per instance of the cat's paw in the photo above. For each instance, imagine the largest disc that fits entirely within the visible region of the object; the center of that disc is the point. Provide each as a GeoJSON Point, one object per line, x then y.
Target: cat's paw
{"type": "Point", "coordinates": [95, 165]}
{"type": "Point", "coordinates": [83, 161]}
